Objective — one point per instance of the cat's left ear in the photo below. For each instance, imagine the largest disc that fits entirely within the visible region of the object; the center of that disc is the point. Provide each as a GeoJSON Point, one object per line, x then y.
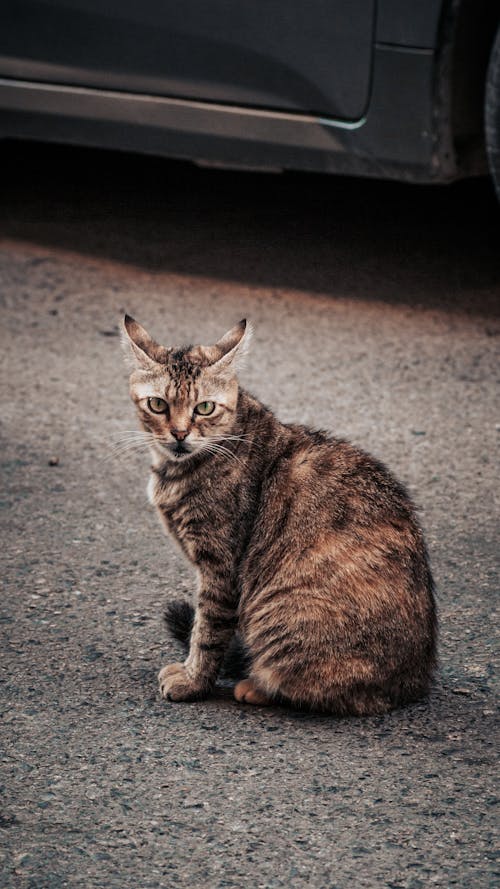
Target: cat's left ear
{"type": "Point", "coordinates": [230, 351]}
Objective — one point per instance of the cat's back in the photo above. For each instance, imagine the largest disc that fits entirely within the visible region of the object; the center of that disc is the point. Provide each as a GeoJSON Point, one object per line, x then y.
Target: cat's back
{"type": "Point", "coordinates": [328, 509]}
{"type": "Point", "coordinates": [325, 482]}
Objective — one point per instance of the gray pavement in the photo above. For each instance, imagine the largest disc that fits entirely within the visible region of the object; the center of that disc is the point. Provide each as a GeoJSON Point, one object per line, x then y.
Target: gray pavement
{"type": "Point", "coordinates": [375, 308]}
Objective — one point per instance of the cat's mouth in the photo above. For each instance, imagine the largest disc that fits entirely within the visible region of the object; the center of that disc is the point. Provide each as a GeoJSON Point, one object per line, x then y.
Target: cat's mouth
{"type": "Point", "coordinates": [179, 450]}
{"type": "Point", "coordinates": [175, 450]}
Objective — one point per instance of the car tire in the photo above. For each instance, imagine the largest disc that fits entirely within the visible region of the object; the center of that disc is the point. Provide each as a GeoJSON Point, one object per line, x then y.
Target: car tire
{"type": "Point", "coordinates": [492, 113]}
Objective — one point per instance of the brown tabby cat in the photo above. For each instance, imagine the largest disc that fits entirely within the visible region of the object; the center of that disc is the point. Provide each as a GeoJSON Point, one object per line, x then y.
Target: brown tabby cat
{"type": "Point", "coordinates": [304, 544]}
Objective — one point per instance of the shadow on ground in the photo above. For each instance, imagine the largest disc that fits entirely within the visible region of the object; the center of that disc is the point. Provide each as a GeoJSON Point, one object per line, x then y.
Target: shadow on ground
{"type": "Point", "coordinates": [435, 246]}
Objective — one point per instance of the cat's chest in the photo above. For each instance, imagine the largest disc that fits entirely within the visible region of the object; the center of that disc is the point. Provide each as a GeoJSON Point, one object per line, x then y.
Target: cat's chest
{"type": "Point", "coordinates": [187, 512]}
{"type": "Point", "coordinates": [164, 493]}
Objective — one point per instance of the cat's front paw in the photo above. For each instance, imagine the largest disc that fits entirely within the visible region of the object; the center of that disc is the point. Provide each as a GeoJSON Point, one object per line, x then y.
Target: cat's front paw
{"type": "Point", "coordinates": [177, 685]}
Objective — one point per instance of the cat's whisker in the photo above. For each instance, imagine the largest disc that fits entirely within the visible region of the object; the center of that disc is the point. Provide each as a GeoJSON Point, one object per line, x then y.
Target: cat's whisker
{"type": "Point", "coordinates": [216, 448]}
{"type": "Point", "coordinates": [128, 446]}
{"type": "Point", "coordinates": [125, 444]}
{"type": "Point", "coordinates": [234, 435]}
{"type": "Point", "coordinates": [131, 436]}
{"type": "Point", "coordinates": [247, 439]}
{"type": "Point", "coordinates": [231, 435]}
{"type": "Point", "coordinates": [134, 430]}
{"type": "Point", "coordinates": [230, 438]}
{"type": "Point", "coordinates": [118, 454]}
{"type": "Point", "coordinates": [124, 449]}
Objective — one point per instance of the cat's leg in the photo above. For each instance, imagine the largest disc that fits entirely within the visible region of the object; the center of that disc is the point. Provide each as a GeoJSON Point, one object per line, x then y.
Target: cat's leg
{"type": "Point", "coordinates": [342, 688]}
{"type": "Point", "coordinates": [214, 625]}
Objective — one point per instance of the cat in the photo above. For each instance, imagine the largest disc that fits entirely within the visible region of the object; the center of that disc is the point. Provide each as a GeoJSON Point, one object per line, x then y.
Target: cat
{"type": "Point", "coordinates": [305, 546]}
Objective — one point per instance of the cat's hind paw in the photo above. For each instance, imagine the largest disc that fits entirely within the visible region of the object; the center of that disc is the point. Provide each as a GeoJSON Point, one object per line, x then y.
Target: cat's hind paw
{"type": "Point", "coordinates": [246, 692]}
{"type": "Point", "coordinates": [177, 685]}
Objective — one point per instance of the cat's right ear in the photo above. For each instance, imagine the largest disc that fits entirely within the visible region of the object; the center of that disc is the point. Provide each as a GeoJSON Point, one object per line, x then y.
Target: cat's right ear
{"type": "Point", "coordinates": [140, 347]}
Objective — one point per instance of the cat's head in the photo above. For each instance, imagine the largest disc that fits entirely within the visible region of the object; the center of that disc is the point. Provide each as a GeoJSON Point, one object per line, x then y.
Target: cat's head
{"type": "Point", "coordinates": [186, 397]}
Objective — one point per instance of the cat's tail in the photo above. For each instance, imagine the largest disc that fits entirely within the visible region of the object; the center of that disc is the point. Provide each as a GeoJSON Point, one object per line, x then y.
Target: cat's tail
{"type": "Point", "coordinates": [179, 617]}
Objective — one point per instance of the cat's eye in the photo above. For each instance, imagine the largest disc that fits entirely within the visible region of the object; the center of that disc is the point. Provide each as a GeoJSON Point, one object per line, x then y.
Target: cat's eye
{"type": "Point", "coordinates": [205, 408]}
{"type": "Point", "coordinates": [157, 405]}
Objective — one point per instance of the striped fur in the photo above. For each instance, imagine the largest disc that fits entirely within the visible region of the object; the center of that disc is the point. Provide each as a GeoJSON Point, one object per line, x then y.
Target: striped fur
{"type": "Point", "coordinates": [304, 544]}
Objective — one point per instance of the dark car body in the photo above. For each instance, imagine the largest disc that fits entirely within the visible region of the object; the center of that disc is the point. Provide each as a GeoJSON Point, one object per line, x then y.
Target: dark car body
{"type": "Point", "coordinates": [390, 88]}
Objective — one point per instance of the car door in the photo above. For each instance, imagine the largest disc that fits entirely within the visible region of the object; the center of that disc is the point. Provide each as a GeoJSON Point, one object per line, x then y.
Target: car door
{"type": "Point", "coordinates": [310, 56]}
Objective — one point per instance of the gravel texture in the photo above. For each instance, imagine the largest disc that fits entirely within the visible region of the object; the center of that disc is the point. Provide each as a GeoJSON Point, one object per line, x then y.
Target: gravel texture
{"type": "Point", "coordinates": [376, 316]}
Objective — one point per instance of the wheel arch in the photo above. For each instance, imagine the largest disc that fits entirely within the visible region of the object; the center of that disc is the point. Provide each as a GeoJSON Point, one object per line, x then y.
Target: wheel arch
{"type": "Point", "coordinates": [466, 34]}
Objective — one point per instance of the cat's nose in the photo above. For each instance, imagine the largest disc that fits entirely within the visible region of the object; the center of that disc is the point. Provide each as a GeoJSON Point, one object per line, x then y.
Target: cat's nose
{"type": "Point", "coordinates": [179, 434]}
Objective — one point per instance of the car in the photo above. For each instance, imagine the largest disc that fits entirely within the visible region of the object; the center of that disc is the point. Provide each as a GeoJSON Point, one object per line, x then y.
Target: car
{"type": "Point", "coordinates": [391, 89]}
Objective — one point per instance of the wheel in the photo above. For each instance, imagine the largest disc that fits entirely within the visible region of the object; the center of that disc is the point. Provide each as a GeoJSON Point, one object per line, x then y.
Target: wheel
{"type": "Point", "coordinates": [492, 113]}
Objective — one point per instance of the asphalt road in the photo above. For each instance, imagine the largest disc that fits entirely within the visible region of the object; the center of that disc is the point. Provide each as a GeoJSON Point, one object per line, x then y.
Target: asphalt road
{"type": "Point", "coordinates": [375, 308]}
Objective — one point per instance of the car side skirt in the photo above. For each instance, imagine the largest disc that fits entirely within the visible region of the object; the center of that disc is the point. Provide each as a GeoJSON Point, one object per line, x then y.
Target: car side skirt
{"type": "Point", "coordinates": [400, 137]}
